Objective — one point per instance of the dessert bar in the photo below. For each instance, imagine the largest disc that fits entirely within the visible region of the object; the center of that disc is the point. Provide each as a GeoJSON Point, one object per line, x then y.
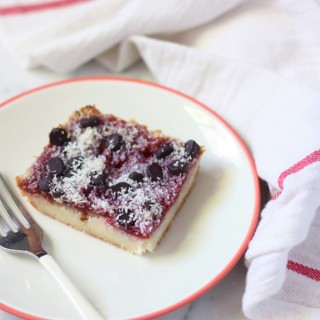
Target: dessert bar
{"type": "Point", "coordinates": [113, 179]}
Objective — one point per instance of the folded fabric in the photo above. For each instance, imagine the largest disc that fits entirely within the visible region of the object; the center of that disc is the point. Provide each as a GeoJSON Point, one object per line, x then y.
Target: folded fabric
{"type": "Point", "coordinates": [64, 39]}
{"type": "Point", "coordinates": [257, 64]}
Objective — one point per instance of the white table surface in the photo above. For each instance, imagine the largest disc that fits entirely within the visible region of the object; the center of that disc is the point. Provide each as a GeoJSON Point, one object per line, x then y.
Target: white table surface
{"type": "Point", "coordinates": [223, 302]}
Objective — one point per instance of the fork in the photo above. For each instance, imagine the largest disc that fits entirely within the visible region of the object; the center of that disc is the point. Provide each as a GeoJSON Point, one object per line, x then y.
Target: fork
{"type": "Point", "coordinates": [19, 232]}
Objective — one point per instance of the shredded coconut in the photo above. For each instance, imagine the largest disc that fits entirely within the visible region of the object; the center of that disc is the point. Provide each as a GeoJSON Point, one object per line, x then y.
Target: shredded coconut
{"type": "Point", "coordinates": [89, 156]}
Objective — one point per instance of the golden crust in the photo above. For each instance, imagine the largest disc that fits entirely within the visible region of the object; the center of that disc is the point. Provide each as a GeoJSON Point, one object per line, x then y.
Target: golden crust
{"type": "Point", "coordinates": [89, 110]}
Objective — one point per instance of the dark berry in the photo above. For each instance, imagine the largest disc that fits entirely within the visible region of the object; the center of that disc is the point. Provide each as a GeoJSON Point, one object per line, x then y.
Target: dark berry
{"type": "Point", "coordinates": [58, 136]}
{"type": "Point", "coordinates": [191, 148]}
{"type": "Point", "coordinates": [136, 176]}
{"type": "Point", "coordinates": [92, 121]}
{"type": "Point", "coordinates": [56, 166]}
{"type": "Point", "coordinates": [87, 190]}
{"type": "Point", "coordinates": [121, 187]}
{"type": "Point", "coordinates": [56, 193]}
{"type": "Point", "coordinates": [154, 172]}
{"type": "Point", "coordinates": [44, 184]}
{"type": "Point", "coordinates": [114, 142]}
{"type": "Point", "coordinates": [164, 150]}
{"type": "Point", "coordinates": [125, 218]}
{"type": "Point", "coordinates": [98, 179]}
{"type": "Point", "coordinates": [177, 167]}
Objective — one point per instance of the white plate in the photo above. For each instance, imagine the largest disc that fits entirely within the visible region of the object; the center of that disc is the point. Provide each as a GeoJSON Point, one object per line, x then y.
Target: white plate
{"type": "Point", "coordinates": [205, 241]}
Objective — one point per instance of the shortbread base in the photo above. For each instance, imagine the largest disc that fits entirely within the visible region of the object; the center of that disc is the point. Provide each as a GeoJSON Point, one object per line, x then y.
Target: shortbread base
{"type": "Point", "coordinates": [98, 227]}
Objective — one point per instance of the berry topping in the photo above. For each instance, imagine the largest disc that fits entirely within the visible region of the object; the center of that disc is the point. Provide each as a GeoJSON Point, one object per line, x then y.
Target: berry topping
{"type": "Point", "coordinates": [56, 166]}
{"type": "Point", "coordinates": [191, 148]}
{"type": "Point", "coordinates": [44, 184]}
{"type": "Point", "coordinates": [154, 172]}
{"type": "Point", "coordinates": [177, 167]}
{"type": "Point", "coordinates": [114, 142]}
{"type": "Point", "coordinates": [148, 205]}
{"type": "Point", "coordinates": [118, 170]}
{"type": "Point", "coordinates": [136, 176]}
{"type": "Point", "coordinates": [56, 193]}
{"type": "Point", "coordinates": [68, 173]}
{"type": "Point", "coordinates": [58, 136]}
{"type": "Point", "coordinates": [98, 179]}
{"type": "Point", "coordinates": [75, 163]}
{"type": "Point", "coordinates": [125, 217]}
{"type": "Point", "coordinates": [164, 150]}
{"type": "Point", "coordinates": [121, 187]}
{"type": "Point", "coordinates": [92, 121]}
{"type": "Point", "coordinates": [153, 207]}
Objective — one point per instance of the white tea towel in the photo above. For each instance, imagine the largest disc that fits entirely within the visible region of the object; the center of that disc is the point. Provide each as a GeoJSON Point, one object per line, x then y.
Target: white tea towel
{"type": "Point", "coordinates": [64, 39]}
{"type": "Point", "coordinates": [256, 63]}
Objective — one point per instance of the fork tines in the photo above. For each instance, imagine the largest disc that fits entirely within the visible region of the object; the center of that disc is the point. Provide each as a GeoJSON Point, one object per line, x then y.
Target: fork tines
{"type": "Point", "coordinates": [11, 210]}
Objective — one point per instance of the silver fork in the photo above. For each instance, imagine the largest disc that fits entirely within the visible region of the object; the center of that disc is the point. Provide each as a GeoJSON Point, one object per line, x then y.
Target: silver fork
{"type": "Point", "coordinates": [20, 233]}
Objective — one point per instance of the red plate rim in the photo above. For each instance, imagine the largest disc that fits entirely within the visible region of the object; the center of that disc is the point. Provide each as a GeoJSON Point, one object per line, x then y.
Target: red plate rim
{"type": "Point", "coordinates": [255, 216]}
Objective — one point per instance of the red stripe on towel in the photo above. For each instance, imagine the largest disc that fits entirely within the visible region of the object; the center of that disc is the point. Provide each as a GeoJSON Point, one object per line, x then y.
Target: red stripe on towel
{"type": "Point", "coordinates": [28, 8]}
{"type": "Point", "coordinates": [276, 195]}
{"type": "Point", "coordinates": [311, 158]}
{"type": "Point", "coordinates": [303, 270]}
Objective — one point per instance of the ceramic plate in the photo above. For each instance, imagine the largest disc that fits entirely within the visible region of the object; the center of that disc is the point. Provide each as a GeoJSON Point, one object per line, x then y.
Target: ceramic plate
{"type": "Point", "coordinates": [205, 241]}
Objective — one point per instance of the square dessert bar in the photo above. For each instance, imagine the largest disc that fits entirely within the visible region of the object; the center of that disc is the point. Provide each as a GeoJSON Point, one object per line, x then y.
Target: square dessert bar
{"type": "Point", "coordinates": [113, 179]}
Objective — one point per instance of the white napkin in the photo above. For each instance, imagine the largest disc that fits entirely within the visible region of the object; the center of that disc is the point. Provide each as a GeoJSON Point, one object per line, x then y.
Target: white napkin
{"type": "Point", "coordinates": [257, 64]}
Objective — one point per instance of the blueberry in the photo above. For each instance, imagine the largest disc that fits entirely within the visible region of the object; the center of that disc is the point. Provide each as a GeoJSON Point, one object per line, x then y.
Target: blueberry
{"type": "Point", "coordinates": [56, 165]}
{"type": "Point", "coordinates": [154, 172]}
{"type": "Point", "coordinates": [164, 150]}
{"type": "Point", "coordinates": [191, 148]}
{"type": "Point", "coordinates": [177, 167]}
{"type": "Point", "coordinates": [121, 187]}
{"type": "Point", "coordinates": [44, 184]}
{"type": "Point", "coordinates": [58, 136]}
{"type": "Point", "coordinates": [114, 142]}
{"type": "Point", "coordinates": [98, 179]}
{"type": "Point", "coordinates": [92, 121]}
{"type": "Point", "coordinates": [124, 217]}
{"type": "Point", "coordinates": [136, 176]}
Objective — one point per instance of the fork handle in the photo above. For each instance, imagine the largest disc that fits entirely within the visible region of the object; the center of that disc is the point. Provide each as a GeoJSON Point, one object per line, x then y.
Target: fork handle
{"type": "Point", "coordinates": [82, 305]}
